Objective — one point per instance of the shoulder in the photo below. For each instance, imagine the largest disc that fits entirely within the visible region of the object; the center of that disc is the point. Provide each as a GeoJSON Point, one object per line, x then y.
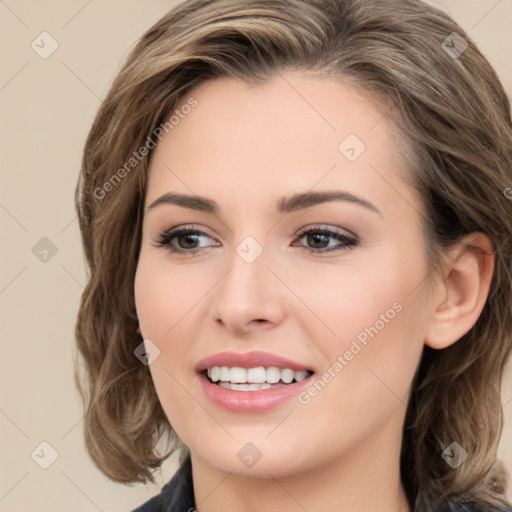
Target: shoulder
{"type": "Point", "coordinates": [176, 496]}
{"type": "Point", "coordinates": [155, 504]}
{"type": "Point", "coordinates": [475, 508]}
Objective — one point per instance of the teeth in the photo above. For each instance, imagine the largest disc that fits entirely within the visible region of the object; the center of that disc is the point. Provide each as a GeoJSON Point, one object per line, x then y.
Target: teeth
{"type": "Point", "coordinates": [300, 375]}
{"type": "Point", "coordinates": [254, 378]}
{"type": "Point", "coordinates": [215, 373]}
{"type": "Point", "coordinates": [273, 375]}
{"type": "Point", "coordinates": [225, 373]}
{"type": "Point", "coordinates": [244, 387]}
{"type": "Point", "coordinates": [237, 375]}
{"type": "Point", "coordinates": [257, 375]}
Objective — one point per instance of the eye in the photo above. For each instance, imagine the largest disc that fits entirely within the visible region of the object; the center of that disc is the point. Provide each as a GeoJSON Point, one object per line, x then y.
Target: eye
{"type": "Point", "coordinates": [187, 240]}
{"type": "Point", "coordinates": [183, 240]}
{"type": "Point", "coordinates": [319, 239]}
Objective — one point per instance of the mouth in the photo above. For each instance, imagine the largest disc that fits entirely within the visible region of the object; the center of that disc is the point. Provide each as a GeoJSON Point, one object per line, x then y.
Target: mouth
{"type": "Point", "coordinates": [251, 382]}
{"type": "Point", "coordinates": [257, 378]}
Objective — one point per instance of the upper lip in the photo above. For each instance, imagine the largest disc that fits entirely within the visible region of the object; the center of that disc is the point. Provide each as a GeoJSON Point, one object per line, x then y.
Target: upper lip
{"type": "Point", "coordinates": [249, 360]}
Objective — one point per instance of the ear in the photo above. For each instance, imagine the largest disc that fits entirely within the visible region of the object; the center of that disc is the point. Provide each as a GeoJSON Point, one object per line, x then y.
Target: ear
{"type": "Point", "coordinates": [462, 290]}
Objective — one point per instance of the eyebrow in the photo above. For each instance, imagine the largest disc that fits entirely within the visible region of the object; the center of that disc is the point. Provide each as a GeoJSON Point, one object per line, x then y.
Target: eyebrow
{"type": "Point", "coordinates": [293, 203]}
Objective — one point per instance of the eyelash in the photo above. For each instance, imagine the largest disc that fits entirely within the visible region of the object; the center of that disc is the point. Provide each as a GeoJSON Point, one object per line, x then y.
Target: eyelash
{"type": "Point", "coordinates": [167, 237]}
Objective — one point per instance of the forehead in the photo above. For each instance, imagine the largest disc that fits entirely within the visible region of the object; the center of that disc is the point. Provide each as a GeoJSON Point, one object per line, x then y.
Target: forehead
{"type": "Point", "coordinates": [293, 132]}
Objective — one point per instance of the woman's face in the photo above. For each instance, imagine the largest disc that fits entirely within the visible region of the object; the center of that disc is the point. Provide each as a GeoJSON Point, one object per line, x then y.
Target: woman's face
{"type": "Point", "coordinates": [335, 287]}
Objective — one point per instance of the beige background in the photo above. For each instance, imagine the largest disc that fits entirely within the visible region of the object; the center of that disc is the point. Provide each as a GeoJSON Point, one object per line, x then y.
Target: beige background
{"type": "Point", "coordinates": [47, 106]}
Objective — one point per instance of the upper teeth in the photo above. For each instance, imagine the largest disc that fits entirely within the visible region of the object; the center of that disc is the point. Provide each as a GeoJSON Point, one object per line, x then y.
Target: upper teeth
{"type": "Point", "coordinates": [257, 375]}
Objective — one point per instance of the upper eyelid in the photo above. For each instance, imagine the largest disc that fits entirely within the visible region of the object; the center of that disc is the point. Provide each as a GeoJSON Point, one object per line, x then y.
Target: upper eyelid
{"type": "Point", "coordinates": [328, 229]}
{"type": "Point", "coordinates": [301, 231]}
{"type": "Point", "coordinates": [200, 231]}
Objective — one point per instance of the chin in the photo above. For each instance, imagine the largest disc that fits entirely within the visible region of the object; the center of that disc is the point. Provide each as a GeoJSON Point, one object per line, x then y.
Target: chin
{"type": "Point", "coordinates": [253, 460]}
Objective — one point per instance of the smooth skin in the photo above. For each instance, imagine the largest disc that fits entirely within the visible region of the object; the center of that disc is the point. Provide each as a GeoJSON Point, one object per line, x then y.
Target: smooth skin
{"type": "Point", "coordinates": [245, 148]}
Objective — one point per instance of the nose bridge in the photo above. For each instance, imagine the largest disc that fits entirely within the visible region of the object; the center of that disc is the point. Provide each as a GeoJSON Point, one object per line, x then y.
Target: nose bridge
{"type": "Point", "coordinates": [246, 281]}
{"type": "Point", "coordinates": [247, 296]}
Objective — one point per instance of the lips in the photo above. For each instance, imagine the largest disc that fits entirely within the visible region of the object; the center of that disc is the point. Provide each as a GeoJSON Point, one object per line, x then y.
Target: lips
{"type": "Point", "coordinates": [251, 398]}
{"type": "Point", "coordinates": [249, 360]}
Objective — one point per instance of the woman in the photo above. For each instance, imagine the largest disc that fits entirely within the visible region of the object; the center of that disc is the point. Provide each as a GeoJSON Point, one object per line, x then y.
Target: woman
{"type": "Point", "coordinates": [297, 222]}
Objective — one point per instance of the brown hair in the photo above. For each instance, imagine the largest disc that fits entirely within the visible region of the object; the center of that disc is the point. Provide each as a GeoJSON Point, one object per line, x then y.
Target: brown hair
{"type": "Point", "coordinates": [454, 115]}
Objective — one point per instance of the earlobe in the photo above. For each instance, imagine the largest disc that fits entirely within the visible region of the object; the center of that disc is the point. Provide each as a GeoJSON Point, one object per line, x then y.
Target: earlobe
{"type": "Point", "coordinates": [462, 291]}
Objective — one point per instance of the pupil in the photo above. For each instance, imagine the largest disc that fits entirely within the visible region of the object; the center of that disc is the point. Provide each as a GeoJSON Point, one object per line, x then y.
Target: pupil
{"type": "Point", "coordinates": [311, 238]}
{"type": "Point", "coordinates": [188, 237]}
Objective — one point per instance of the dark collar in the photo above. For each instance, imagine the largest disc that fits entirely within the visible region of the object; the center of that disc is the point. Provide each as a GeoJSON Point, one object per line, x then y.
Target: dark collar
{"type": "Point", "coordinates": [176, 496]}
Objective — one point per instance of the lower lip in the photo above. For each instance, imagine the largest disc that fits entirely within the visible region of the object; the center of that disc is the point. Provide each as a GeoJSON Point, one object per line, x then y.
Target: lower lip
{"type": "Point", "coordinates": [251, 401]}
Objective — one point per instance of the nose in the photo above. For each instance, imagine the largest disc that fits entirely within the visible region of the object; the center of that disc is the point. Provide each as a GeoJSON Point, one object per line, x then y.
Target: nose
{"type": "Point", "coordinates": [248, 297]}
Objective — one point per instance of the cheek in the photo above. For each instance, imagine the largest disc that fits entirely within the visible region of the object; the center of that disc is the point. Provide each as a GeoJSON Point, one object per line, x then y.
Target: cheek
{"type": "Point", "coordinates": [369, 366]}
{"type": "Point", "coordinates": [374, 324]}
{"type": "Point", "coordinates": [164, 294]}
{"type": "Point", "coordinates": [162, 297]}
{"type": "Point", "coordinates": [167, 298]}
{"type": "Point", "coordinates": [365, 299]}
